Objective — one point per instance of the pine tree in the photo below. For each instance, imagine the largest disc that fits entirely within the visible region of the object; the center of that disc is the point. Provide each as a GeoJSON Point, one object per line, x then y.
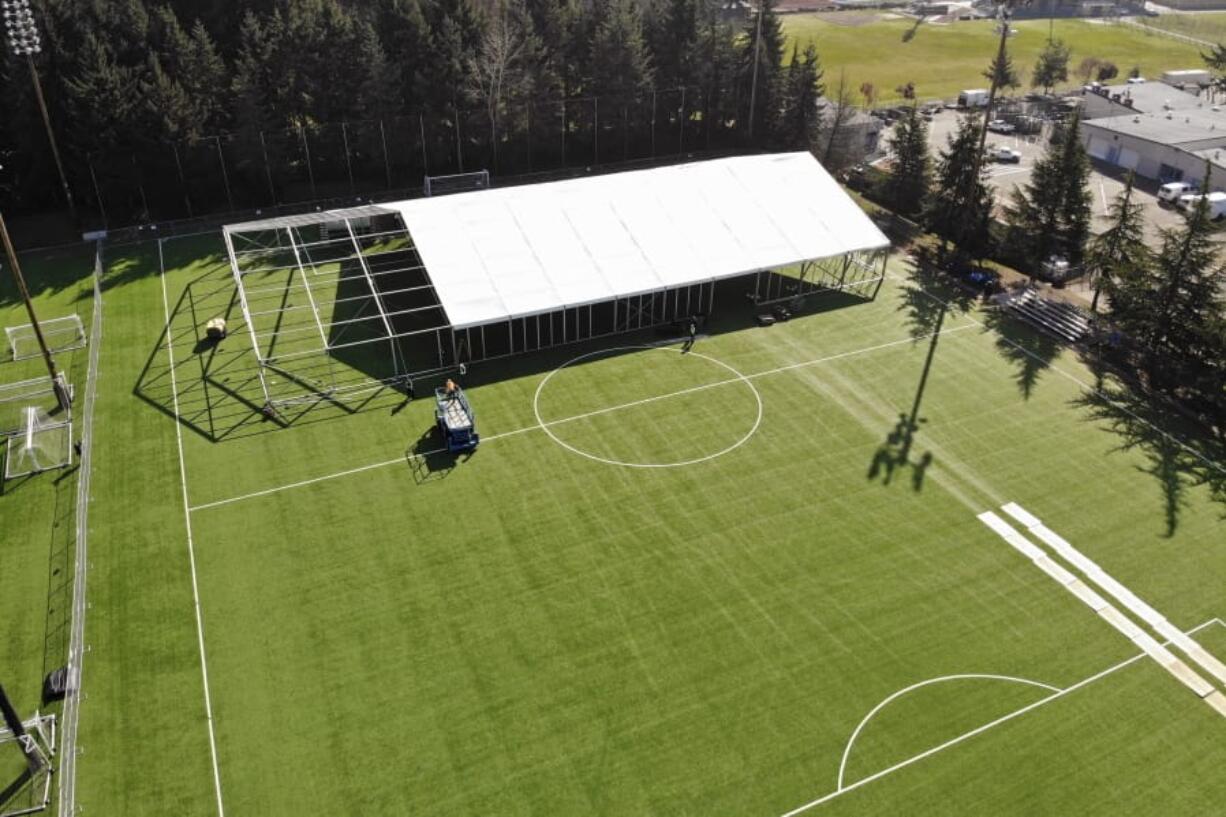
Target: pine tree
{"type": "Point", "coordinates": [1001, 72]}
{"type": "Point", "coordinates": [673, 35]}
{"type": "Point", "coordinates": [1118, 255]}
{"type": "Point", "coordinates": [800, 119]}
{"type": "Point", "coordinates": [620, 62]}
{"type": "Point", "coordinates": [1181, 317]}
{"type": "Point", "coordinates": [761, 83]}
{"type": "Point", "coordinates": [960, 207]}
{"type": "Point", "coordinates": [1050, 215]}
{"type": "Point", "coordinates": [906, 188]}
{"type": "Point", "coordinates": [1051, 68]}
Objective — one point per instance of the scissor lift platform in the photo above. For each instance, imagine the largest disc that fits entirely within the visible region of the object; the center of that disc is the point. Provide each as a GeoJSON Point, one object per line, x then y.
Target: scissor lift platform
{"type": "Point", "coordinates": [456, 420]}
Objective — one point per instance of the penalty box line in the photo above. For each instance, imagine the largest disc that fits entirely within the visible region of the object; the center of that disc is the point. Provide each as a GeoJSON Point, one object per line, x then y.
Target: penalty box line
{"type": "Point", "coordinates": [620, 407]}
{"type": "Point", "coordinates": [979, 730]}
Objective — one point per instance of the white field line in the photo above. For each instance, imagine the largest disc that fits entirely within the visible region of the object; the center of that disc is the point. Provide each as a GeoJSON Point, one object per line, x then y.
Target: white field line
{"type": "Point", "coordinates": [980, 729]}
{"type": "Point", "coordinates": [1049, 365]}
{"type": "Point", "coordinates": [586, 415]}
{"type": "Point", "coordinates": [939, 680]}
{"type": "Point", "coordinates": [76, 639]}
{"type": "Point", "coordinates": [191, 547]}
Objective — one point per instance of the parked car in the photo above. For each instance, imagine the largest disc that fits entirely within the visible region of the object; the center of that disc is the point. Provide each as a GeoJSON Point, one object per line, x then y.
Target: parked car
{"type": "Point", "coordinates": [1172, 192]}
{"type": "Point", "coordinates": [1217, 204]}
{"type": "Point", "coordinates": [1000, 126]}
{"type": "Point", "coordinates": [1005, 155]}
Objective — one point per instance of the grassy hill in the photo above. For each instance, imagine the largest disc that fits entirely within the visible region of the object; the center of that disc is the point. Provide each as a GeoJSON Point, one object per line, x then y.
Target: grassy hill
{"type": "Point", "coordinates": [944, 59]}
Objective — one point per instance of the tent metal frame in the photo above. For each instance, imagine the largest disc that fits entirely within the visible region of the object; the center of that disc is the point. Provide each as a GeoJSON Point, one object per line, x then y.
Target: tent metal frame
{"type": "Point", "coordinates": [275, 247]}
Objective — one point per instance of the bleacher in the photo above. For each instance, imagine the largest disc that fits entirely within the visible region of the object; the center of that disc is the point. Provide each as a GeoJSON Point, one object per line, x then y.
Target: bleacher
{"type": "Point", "coordinates": [1056, 318]}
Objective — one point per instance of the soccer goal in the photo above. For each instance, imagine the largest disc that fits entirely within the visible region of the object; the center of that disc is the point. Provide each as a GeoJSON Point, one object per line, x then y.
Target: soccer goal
{"type": "Point", "coordinates": [25, 765]}
{"type": "Point", "coordinates": [43, 444]}
{"type": "Point", "coordinates": [61, 335]}
{"type": "Point", "coordinates": [456, 183]}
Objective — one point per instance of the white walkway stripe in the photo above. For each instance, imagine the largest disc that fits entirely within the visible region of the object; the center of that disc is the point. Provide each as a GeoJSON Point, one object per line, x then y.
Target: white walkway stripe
{"type": "Point", "coordinates": [1217, 700]}
{"type": "Point", "coordinates": [538, 426]}
{"type": "Point", "coordinates": [191, 547]}
{"type": "Point", "coordinates": [1126, 597]}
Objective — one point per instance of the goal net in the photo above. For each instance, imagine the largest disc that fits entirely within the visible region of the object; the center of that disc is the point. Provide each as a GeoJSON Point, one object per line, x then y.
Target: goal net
{"type": "Point", "coordinates": [457, 183]}
{"type": "Point", "coordinates": [41, 445]}
{"type": "Point", "coordinates": [61, 335]}
{"type": "Point", "coordinates": [25, 766]}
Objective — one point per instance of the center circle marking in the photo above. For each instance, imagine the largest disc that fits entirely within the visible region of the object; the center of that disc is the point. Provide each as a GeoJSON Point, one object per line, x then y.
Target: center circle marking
{"type": "Point", "coordinates": [546, 426]}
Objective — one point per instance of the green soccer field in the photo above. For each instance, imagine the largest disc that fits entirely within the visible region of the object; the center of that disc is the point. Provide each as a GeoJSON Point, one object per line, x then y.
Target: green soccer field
{"type": "Point", "coordinates": [743, 580]}
{"type": "Point", "coordinates": [944, 59]}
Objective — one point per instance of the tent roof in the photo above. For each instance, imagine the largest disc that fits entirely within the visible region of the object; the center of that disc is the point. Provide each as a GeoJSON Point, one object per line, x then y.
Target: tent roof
{"type": "Point", "coordinates": [518, 251]}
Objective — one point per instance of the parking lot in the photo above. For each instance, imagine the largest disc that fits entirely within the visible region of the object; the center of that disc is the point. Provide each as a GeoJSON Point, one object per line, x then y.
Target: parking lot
{"type": "Point", "coordinates": [1105, 182]}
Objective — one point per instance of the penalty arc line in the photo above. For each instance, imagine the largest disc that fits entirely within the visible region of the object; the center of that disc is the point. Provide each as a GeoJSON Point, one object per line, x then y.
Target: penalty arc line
{"type": "Point", "coordinates": [191, 546]}
{"type": "Point", "coordinates": [985, 727]}
{"type": "Point", "coordinates": [620, 407]}
{"type": "Point", "coordinates": [929, 682]}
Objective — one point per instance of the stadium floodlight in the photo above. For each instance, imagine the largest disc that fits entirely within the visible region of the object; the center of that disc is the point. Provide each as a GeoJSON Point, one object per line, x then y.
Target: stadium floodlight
{"type": "Point", "coordinates": [62, 395]}
{"type": "Point", "coordinates": [25, 41]}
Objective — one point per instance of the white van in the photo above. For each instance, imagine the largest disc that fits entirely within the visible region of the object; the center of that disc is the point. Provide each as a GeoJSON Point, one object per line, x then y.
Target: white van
{"type": "Point", "coordinates": [1172, 192]}
{"type": "Point", "coordinates": [1217, 204]}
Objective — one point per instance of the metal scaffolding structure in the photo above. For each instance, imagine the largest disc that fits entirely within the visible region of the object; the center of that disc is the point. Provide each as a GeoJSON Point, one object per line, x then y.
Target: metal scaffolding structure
{"type": "Point", "coordinates": [343, 303]}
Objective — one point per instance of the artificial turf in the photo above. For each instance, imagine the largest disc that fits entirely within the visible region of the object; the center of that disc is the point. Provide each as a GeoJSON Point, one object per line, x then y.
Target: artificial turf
{"type": "Point", "coordinates": [534, 631]}
{"type": "Point", "coordinates": [944, 59]}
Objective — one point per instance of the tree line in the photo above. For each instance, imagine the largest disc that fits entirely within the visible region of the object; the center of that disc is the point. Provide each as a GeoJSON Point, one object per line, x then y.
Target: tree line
{"type": "Point", "coordinates": [1167, 317]}
{"type": "Point", "coordinates": [472, 80]}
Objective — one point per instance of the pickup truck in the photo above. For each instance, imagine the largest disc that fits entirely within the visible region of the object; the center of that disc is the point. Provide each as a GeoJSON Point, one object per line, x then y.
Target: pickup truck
{"type": "Point", "coordinates": [1004, 155]}
{"type": "Point", "coordinates": [1000, 126]}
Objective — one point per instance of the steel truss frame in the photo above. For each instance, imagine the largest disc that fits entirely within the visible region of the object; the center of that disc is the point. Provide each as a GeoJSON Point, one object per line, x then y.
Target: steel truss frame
{"type": "Point", "coordinates": [312, 271]}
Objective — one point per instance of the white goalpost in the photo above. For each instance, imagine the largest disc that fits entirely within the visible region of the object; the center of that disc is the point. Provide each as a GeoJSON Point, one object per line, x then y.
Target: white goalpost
{"type": "Point", "coordinates": [43, 444]}
{"type": "Point", "coordinates": [456, 183]}
{"type": "Point", "coordinates": [61, 334]}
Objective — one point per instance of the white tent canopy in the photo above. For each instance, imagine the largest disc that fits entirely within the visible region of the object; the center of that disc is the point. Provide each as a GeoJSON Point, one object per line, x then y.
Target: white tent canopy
{"type": "Point", "coordinates": [498, 254]}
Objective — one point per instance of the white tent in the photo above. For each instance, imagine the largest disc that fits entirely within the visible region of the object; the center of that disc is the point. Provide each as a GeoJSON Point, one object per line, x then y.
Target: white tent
{"type": "Point", "coordinates": [483, 274]}
{"type": "Point", "coordinates": [513, 252]}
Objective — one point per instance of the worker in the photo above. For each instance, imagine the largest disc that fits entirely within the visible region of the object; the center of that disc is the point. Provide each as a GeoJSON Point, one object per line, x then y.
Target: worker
{"type": "Point", "coordinates": [451, 389]}
{"type": "Point", "coordinates": [692, 330]}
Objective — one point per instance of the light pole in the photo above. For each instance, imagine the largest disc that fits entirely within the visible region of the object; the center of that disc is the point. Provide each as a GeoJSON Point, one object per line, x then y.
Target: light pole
{"type": "Point", "coordinates": [62, 395]}
{"type": "Point", "coordinates": [25, 41]}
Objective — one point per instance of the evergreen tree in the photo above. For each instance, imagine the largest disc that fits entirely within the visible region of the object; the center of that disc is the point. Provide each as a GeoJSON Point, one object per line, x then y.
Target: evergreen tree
{"type": "Point", "coordinates": [1118, 256]}
{"type": "Point", "coordinates": [1051, 68]}
{"type": "Point", "coordinates": [1002, 73]}
{"type": "Point", "coordinates": [800, 117]}
{"type": "Point", "coordinates": [620, 62]}
{"type": "Point", "coordinates": [761, 74]}
{"type": "Point", "coordinates": [673, 35]}
{"type": "Point", "coordinates": [1180, 318]}
{"type": "Point", "coordinates": [906, 188]}
{"type": "Point", "coordinates": [960, 207]}
{"type": "Point", "coordinates": [404, 33]}
{"type": "Point", "coordinates": [1051, 214]}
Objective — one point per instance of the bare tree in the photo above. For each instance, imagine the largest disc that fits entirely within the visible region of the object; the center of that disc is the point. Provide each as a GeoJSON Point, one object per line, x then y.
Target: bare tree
{"type": "Point", "coordinates": [840, 111]}
{"type": "Point", "coordinates": [496, 68]}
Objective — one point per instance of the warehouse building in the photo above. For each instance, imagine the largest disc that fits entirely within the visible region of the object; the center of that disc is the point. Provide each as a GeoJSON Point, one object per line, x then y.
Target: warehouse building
{"type": "Point", "coordinates": [1166, 146]}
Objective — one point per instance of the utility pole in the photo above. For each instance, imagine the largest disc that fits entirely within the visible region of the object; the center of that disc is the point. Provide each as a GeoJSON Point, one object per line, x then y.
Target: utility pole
{"type": "Point", "coordinates": [25, 41]}
{"type": "Point", "coordinates": [757, 52]}
{"type": "Point", "coordinates": [977, 166]}
{"type": "Point", "coordinates": [63, 398]}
